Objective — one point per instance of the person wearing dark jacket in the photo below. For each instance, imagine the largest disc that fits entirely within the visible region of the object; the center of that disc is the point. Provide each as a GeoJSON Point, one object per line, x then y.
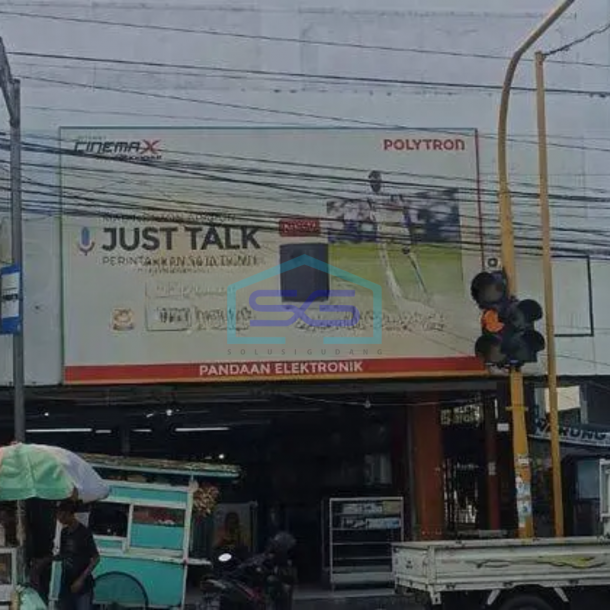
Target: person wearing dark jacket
{"type": "Point", "coordinates": [79, 557]}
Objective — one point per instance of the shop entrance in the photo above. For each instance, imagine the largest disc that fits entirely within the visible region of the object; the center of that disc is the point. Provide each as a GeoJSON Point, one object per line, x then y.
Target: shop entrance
{"type": "Point", "coordinates": [474, 460]}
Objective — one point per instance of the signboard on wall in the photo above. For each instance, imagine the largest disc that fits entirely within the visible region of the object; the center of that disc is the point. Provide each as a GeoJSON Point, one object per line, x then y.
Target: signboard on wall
{"type": "Point", "coordinates": [240, 254]}
{"type": "Point", "coordinates": [572, 435]}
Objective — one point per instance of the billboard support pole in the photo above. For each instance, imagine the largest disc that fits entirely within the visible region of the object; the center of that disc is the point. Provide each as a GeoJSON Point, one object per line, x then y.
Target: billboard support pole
{"type": "Point", "coordinates": [523, 472]}
{"type": "Point", "coordinates": [549, 310]}
{"type": "Point", "coordinates": [17, 256]}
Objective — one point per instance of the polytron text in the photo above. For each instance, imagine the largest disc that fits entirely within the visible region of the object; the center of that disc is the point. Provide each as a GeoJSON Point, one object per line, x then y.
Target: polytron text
{"type": "Point", "coordinates": [424, 144]}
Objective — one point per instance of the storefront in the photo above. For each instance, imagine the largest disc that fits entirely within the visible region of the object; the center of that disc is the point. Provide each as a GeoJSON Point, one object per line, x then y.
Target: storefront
{"type": "Point", "coordinates": [346, 471]}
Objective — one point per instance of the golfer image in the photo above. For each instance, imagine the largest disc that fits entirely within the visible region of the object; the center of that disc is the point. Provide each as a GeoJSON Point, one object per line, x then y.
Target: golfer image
{"type": "Point", "coordinates": [394, 211]}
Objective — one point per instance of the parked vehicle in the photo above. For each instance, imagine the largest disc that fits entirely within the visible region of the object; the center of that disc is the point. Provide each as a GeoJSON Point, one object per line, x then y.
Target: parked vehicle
{"type": "Point", "coordinates": [261, 582]}
{"type": "Point", "coordinates": [537, 574]}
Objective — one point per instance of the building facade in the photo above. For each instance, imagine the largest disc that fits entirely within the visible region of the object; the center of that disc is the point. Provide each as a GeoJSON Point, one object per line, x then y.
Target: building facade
{"type": "Point", "coordinates": [172, 151]}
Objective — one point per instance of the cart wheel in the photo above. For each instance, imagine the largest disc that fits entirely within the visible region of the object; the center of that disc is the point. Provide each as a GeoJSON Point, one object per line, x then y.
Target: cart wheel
{"type": "Point", "coordinates": [526, 602]}
{"type": "Point", "coordinates": [117, 590]}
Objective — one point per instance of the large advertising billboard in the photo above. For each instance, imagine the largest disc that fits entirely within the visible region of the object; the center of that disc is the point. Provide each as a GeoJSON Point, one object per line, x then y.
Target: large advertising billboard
{"type": "Point", "coordinates": [285, 253]}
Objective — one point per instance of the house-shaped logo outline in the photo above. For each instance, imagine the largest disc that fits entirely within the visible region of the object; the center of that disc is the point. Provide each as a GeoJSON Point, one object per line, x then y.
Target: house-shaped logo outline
{"type": "Point", "coordinates": [304, 259]}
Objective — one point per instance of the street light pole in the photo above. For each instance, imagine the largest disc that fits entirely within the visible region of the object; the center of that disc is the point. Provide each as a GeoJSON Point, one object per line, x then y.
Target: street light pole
{"type": "Point", "coordinates": [523, 473]}
{"type": "Point", "coordinates": [549, 309]}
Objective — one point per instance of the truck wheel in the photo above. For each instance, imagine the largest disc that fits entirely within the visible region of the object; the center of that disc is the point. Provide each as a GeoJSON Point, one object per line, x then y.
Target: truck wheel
{"type": "Point", "coordinates": [526, 602]}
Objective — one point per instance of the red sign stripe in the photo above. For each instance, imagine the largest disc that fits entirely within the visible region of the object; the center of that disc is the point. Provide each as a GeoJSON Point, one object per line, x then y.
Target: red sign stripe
{"type": "Point", "coordinates": [274, 370]}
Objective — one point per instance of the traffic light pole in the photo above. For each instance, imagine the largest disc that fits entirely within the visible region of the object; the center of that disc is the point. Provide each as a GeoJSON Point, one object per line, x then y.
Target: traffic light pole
{"type": "Point", "coordinates": [547, 272]}
{"type": "Point", "coordinates": [523, 473]}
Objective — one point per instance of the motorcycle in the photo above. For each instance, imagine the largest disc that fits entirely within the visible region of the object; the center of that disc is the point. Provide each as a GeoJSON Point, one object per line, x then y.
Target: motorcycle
{"type": "Point", "coordinates": [262, 582]}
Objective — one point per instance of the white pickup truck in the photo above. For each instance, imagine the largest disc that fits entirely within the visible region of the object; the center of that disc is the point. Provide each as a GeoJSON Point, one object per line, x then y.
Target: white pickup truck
{"type": "Point", "coordinates": [538, 574]}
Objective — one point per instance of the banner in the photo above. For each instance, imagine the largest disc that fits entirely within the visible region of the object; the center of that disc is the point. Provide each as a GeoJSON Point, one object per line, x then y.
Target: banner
{"type": "Point", "coordinates": [239, 254]}
{"type": "Point", "coordinates": [572, 435]}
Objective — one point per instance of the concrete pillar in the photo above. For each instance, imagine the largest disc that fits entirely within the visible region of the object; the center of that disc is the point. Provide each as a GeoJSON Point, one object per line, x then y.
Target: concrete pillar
{"type": "Point", "coordinates": [427, 459]}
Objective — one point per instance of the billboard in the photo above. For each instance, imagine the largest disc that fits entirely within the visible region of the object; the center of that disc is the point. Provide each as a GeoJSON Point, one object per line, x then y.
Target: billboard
{"type": "Point", "coordinates": [284, 253]}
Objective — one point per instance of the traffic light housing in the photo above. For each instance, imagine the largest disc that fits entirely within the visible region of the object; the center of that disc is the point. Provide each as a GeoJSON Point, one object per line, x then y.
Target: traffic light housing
{"type": "Point", "coordinates": [509, 338]}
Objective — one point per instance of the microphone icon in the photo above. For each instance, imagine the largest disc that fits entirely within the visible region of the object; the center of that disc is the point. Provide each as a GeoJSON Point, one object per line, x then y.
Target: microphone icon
{"type": "Point", "coordinates": [85, 244]}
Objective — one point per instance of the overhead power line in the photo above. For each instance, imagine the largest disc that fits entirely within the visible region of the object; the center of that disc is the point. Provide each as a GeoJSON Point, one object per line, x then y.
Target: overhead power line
{"type": "Point", "coordinates": [328, 43]}
{"type": "Point", "coordinates": [283, 39]}
{"type": "Point", "coordinates": [241, 35]}
{"type": "Point", "coordinates": [335, 173]}
{"type": "Point", "coordinates": [285, 112]}
{"type": "Point", "coordinates": [559, 142]}
{"type": "Point", "coordinates": [223, 174]}
{"type": "Point", "coordinates": [282, 168]}
{"type": "Point", "coordinates": [462, 86]}
{"type": "Point", "coordinates": [592, 34]}
{"type": "Point", "coordinates": [131, 204]}
{"type": "Point", "coordinates": [224, 104]}
{"type": "Point", "coordinates": [294, 76]}
{"type": "Point", "coordinates": [222, 70]}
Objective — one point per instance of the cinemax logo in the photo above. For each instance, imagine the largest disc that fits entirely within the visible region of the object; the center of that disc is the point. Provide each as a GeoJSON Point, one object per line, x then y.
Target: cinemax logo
{"type": "Point", "coordinates": [139, 150]}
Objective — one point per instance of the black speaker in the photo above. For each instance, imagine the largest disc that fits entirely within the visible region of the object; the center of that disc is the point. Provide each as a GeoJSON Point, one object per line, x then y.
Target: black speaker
{"type": "Point", "coordinates": [298, 284]}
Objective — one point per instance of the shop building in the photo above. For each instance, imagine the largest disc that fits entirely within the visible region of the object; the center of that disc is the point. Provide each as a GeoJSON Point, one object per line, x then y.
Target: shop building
{"type": "Point", "coordinates": [128, 333]}
{"type": "Point", "coordinates": [432, 449]}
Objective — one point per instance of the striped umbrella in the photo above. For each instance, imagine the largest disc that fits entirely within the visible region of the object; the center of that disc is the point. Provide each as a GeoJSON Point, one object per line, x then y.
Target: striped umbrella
{"type": "Point", "coordinates": [46, 472]}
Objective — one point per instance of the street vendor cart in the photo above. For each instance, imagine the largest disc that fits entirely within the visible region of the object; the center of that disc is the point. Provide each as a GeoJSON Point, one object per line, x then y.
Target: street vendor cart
{"type": "Point", "coordinates": [143, 529]}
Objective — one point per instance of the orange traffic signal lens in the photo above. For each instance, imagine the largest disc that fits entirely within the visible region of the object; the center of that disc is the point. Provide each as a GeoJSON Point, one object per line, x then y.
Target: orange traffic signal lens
{"type": "Point", "coordinates": [490, 322]}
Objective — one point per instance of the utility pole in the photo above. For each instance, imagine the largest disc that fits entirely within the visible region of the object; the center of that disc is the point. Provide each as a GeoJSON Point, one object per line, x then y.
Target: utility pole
{"type": "Point", "coordinates": [523, 472]}
{"type": "Point", "coordinates": [17, 256]}
{"type": "Point", "coordinates": [549, 309]}
{"type": "Point", "coordinates": [11, 91]}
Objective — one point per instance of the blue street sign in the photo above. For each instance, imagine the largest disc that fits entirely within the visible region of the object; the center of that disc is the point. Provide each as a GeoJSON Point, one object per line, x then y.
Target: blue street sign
{"type": "Point", "coordinates": [10, 300]}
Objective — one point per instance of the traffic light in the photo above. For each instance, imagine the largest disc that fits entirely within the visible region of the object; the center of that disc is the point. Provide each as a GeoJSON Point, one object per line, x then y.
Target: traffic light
{"type": "Point", "coordinates": [508, 337]}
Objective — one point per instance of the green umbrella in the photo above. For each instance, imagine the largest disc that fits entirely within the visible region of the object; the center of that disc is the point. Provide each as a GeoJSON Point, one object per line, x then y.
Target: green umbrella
{"type": "Point", "coordinates": [46, 472]}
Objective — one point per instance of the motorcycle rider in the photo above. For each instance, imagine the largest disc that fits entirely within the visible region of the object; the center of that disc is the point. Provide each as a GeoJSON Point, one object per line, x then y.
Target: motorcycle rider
{"type": "Point", "coordinates": [262, 581]}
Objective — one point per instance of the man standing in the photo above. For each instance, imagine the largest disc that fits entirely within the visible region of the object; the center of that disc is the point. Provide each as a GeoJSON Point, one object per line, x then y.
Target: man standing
{"type": "Point", "coordinates": [79, 557]}
{"type": "Point", "coordinates": [387, 212]}
{"type": "Point", "coordinates": [393, 216]}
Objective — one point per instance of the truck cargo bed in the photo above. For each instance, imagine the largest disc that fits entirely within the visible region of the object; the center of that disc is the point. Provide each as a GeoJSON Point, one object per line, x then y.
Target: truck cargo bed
{"type": "Point", "coordinates": [487, 565]}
